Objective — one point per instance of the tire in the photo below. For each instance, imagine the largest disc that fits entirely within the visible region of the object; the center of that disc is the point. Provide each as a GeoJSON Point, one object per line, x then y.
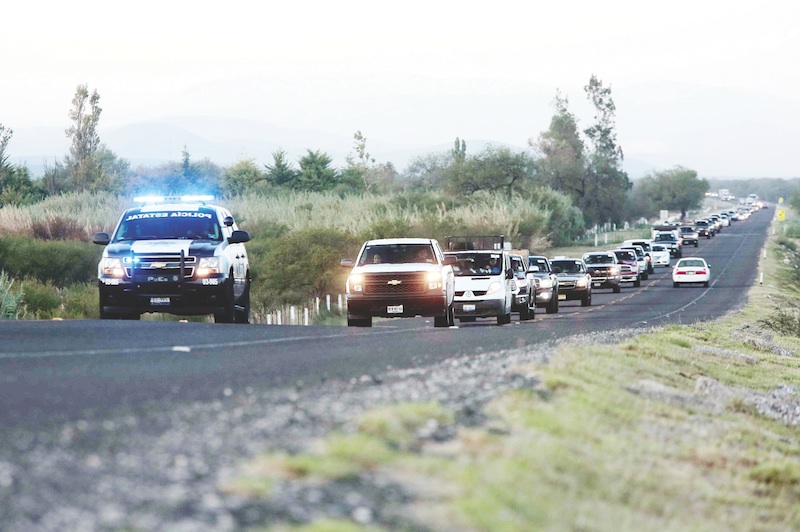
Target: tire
{"type": "Point", "coordinates": [502, 319]}
{"type": "Point", "coordinates": [243, 316]}
{"type": "Point", "coordinates": [359, 322]}
{"type": "Point", "coordinates": [445, 321]}
{"type": "Point", "coordinates": [586, 300]}
{"type": "Point", "coordinates": [645, 276]}
{"type": "Point", "coordinates": [552, 305]}
{"type": "Point", "coordinates": [650, 268]}
{"type": "Point", "coordinates": [705, 284]}
{"type": "Point", "coordinates": [638, 282]}
{"type": "Point", "coordinates": [229, 312]}
{"type": "Point", "coordinates": [674, 284]}
{"type": "Point", "coordinates": [526, 313]}
{"type": "Point", "coordinates": [695, 244]}
{"type": "Point", "coordinates": [617, 289]}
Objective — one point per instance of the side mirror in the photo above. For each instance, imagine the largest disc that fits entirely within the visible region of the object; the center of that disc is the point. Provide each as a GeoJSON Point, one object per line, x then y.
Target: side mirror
{"type": "Point", "coordinates": [450, 261]}
{"type": "Point", "coordinates": [509, 273]}
{"type": "Point", "coordinates": [239, 237]}
{"type": "Point", "coordinates": [347, 263]}
{"type": "Point", "coordinates": [101, 238]}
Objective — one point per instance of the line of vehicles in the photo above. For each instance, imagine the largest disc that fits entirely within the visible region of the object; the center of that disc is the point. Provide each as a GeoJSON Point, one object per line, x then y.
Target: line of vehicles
{"type": "Point", "coordinates": [474, 277]}
{"type": "Point", "coordinates": [186, 256]}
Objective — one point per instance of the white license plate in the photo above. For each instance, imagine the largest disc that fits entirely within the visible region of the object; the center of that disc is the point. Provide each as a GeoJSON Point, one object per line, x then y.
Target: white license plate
{"type": "Point", "coordinates": [562, 296]}
{"type": "Point", "coordinates": [596, 285]}
{"type": "Point", "coordinates": [469, 308]}
{"type": "Point", "coordinates": [394, 309]}
{"type": "Point", "coordinates": [159, 301]}
{"type": "Point", "coordinates": [689, 273]}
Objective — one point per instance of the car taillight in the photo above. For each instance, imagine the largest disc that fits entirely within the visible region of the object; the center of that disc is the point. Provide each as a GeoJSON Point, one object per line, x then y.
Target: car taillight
{"type": "Point", "coordinates": [681, 272]}
{"type": "Point", "coordinates": [702, 272]}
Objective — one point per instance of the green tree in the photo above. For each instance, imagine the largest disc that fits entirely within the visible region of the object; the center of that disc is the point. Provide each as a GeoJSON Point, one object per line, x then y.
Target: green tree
{"type": "Point", "coordinates": [676, 189]}
{"type": "Point", "coordinates": [492, 170]}
{"type": "Point", "coordinates": [281, 173]}
{"type": "Point", "coordinates": [606, 186]}
{"type": "Point", "coordinates": [316, 173]}
{"type": "Point", "coordinates": [16, 186]}
{"type": "Point", "coordinates": [82, 167]}
{"type": "Point", "coordinates": [242, 176]}
{"type": "Point", "coordinates": [305, 263]}
{"type": "Point", "coordinates": [561, 162]}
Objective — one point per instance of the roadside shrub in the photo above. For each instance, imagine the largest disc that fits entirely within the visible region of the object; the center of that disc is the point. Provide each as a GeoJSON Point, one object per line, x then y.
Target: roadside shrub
{"type": "Point", "coordinates": [783, 322]}
{"type": "Point", "coordinates": [81, 301]}
{"type": "Point", "coordinates": [304, 264]}
{"type": "Point", "coordinates": [42, 300]}
{"type": "Point", "coordinates": [58, 228]}
{"type": "Point", "coordinates": [61, 262]}
{"type": "Point", "coordinates": [10, 300]}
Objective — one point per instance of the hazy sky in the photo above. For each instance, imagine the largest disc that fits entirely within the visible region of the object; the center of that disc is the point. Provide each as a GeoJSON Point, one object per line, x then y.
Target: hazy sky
{"type": "Point", "coordinates": [409, 73]}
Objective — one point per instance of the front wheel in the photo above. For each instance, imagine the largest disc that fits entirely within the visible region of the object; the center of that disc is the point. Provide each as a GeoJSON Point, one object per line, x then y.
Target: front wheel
{"type": "Point", "coordinates": [638, 282]}
{"type": "Point", "coordinates": [243, 315]}
{"type": "Point", "coordinates": [586, 300]}
{"type": "Point", "coordinates": [617, 289]}
{"type": "Point", "coordinates": [359, 322]}
{"type": "Point", "coordinates": [552, 306]}
{"type": "Point", "coordinates": [447, 320]}
{"type": "Point", "coordinates": [228, 313]}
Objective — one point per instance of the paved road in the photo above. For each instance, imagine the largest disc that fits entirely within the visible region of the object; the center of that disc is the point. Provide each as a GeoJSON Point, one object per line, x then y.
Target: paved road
{"type": "Point", "coordinates": [51, 372]}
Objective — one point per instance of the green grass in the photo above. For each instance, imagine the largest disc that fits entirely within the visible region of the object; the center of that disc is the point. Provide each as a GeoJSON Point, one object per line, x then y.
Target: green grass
{"type": "Point", "coordinates": [615, 437]}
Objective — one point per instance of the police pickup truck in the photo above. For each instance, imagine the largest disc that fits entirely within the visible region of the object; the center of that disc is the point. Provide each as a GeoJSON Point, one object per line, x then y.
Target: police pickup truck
{"type": "Point", "coordinates": [177, 255]}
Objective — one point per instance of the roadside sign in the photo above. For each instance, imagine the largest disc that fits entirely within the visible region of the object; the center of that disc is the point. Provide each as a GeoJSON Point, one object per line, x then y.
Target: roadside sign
{"type": "Point", "coordinates": [780, 201]}
{"type": "Point", "coordinates": [781, 215]}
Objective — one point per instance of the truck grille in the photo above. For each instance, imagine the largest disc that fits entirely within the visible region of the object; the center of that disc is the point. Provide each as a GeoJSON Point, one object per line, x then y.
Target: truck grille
{"type": "Point", "coordinates": [395, 283]}
{"type": "Point", "coordinates": [567, 284]}
{"type": "Point", "coordinates": [166, 265]}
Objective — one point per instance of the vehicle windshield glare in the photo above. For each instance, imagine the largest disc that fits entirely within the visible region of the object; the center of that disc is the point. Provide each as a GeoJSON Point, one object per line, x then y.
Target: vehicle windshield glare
{"type": "Point", "coordinates": [598, 259]}
{"type": "Point", "coordinates": [567, 266]}
{"type": "Point", "coordinates": [174, 225]}
{"type": "Point", "coordinates": [470, 264]}
{"type": "Point", "coordinates": [397, 254]}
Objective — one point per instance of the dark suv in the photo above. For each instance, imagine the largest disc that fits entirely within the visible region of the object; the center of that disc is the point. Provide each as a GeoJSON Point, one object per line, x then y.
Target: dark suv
{"type": "Point", "coordinates": [175, 255]}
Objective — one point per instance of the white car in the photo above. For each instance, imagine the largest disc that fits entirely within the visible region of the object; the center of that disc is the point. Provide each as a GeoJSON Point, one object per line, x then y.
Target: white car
{"type": "Point", "coordinates": [691, 270]}
{"type": "Point", "coordinates": [660, 255]}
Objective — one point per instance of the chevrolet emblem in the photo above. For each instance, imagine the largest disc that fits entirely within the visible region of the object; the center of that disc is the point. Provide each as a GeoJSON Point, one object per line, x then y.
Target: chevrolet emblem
{"type": "Point", "coordinates": [159, 265]}
{"type": "Point", "coordinates": [394, 282]}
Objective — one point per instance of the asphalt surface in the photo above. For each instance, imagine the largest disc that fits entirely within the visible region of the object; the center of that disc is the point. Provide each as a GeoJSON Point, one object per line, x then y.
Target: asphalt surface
{"type": "Point", "coordinates": [60, 371]}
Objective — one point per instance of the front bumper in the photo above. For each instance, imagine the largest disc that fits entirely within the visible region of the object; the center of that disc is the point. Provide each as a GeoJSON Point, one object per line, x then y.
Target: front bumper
{"type": "Point", "coordinates": [477, 308]}
{"type": "Point", "coordinates": [397, 306]}
{"type": "Point", "coordinates": [190, 297]}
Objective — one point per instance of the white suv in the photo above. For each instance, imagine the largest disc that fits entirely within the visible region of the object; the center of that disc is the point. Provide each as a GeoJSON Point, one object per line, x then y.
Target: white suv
{"type": "Point", "coordinates": [400, 277]}
{"type": "Point", "coordinates": [177, 255]}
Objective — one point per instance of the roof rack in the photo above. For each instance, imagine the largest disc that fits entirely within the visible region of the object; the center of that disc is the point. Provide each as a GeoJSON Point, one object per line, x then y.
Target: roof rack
{"type": "Point", "coordinates": [469, 243]}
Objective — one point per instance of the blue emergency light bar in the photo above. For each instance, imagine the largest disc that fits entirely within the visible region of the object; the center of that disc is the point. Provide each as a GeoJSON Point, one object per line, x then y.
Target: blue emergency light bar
{"type": "Point", "coordinates": [173, 199]}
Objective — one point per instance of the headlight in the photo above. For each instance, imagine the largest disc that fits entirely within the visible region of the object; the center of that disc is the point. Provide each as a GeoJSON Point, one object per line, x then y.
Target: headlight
{"type": "Point", "coordinates": [546, 283]}
{"type": "Point", "coordinates": [613, 270]}
{"type": "Point", "coordinates": [207, 266]}
{"type": "Point", "coordinates": [494, 287]}
{"type": "Point", "coordinates": [582, 283]}
{"type": "Point", "coordinates": [112, 267]}
{"type": "Point", "coordinates": [434, 280]}
{"type": "Point", "coordinates": [355, 283]}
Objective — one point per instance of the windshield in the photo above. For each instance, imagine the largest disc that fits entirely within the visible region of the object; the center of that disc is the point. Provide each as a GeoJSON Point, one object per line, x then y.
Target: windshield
{"type": "Point", "coordinates": [397, 254]}
{"type": "Point", "coordinates": [192, 225]}
{"type": "Point", "coordinates": [625, 255]}
{"type": "Point", "coordinates": [691, 263]}
{"type": "Point", "coordinates": [470, 264]}
{"type": "Point", "coordinates": [567, 266]}
{"type": "Point", "coordinates": [598, 259]}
